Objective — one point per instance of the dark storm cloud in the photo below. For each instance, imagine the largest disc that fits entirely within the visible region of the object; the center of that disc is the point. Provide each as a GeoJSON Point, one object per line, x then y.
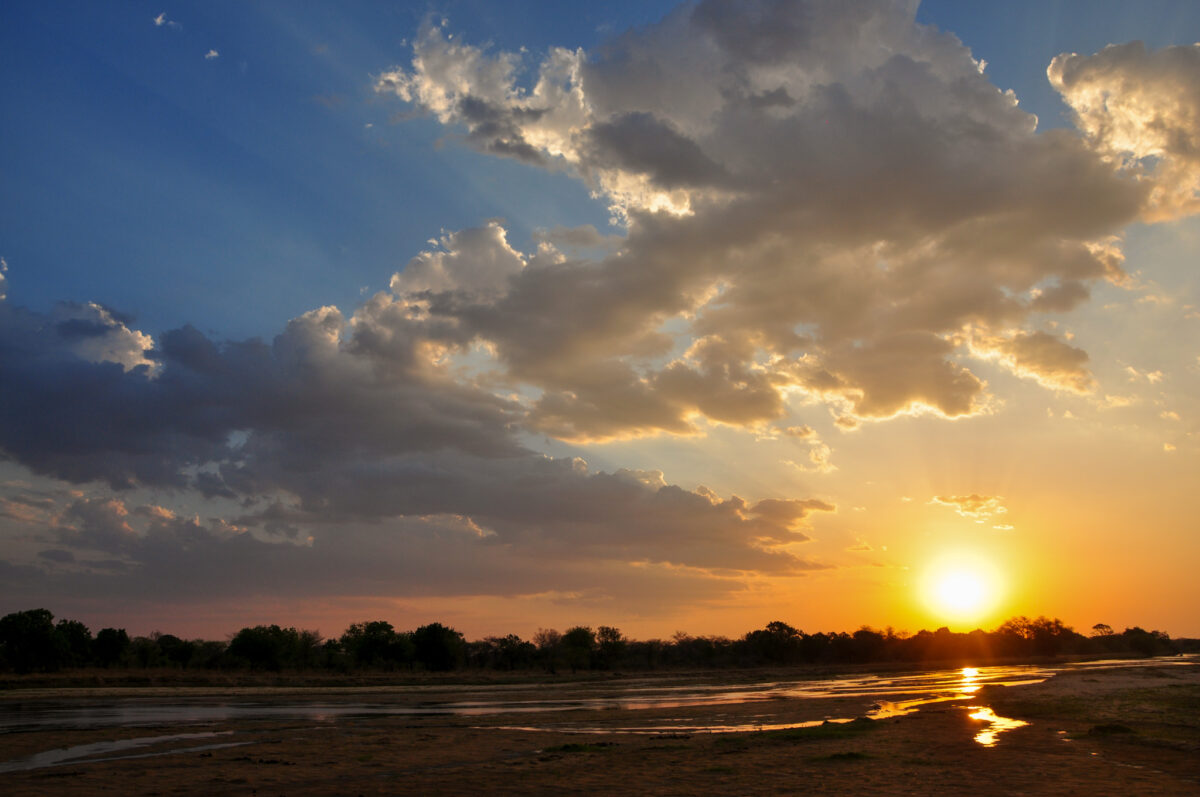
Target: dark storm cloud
{"type": "Point", "coordinates": [638, 142]}
{"type": "Point", "coordinates": [338, 423]}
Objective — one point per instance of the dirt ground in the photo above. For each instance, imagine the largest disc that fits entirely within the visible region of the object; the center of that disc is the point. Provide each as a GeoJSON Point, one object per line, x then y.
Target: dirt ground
{"type": "Point", "coordinates": [1095, 732]}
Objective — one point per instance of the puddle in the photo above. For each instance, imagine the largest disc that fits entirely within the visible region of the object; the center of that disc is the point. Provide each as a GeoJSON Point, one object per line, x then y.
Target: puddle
{"type": "Point", "coordinates": [72, 755]}
{"type": "Point", "coordinates": [996, 725]}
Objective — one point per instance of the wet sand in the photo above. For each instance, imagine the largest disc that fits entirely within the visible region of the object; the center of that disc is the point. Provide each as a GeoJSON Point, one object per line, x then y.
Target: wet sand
{"type": "Point", "coordinates": [1148, 742]}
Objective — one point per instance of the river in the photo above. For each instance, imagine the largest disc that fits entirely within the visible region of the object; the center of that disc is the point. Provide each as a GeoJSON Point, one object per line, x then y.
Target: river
{"type": "Point", "coordinates": [548, 706]}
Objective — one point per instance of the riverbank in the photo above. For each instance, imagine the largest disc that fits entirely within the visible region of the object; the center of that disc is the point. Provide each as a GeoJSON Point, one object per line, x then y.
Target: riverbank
{"type": "Point", "coordinates": [1071, 745]}
{"type": "Point", "coordinates": [14, 686]}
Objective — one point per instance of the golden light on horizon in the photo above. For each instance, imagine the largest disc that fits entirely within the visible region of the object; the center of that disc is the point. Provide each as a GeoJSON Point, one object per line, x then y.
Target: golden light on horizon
{"type": "Point", "coordinates": [962, 588]}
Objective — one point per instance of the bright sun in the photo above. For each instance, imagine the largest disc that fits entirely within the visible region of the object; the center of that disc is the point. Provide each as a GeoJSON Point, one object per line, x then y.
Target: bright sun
{"type": "Point", "coordinates": [961, 587]}
{"type": "Point", "coordinates": [959, 591]}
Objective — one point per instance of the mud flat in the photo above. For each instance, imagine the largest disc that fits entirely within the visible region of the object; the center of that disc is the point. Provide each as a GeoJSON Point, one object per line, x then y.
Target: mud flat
{"type": "Point", "coordinates": [1096, 731]}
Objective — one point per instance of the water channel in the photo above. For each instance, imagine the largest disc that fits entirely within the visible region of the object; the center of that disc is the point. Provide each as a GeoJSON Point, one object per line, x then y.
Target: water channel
{"type": "Point", "coordinates": [540, 707]}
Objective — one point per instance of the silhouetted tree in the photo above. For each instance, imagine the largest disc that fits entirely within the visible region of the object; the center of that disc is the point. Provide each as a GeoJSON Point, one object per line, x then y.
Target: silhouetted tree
{"type": "Point", "coordinates": [376, 644]}
{"type": "Point", "coordinates": [778, 643]}
{"type": "Point", "coordinates": [502, 653]}
{"type": "Point", "coordinates": [690, 651]}
{"type": "Point", "coordinates": [333, 657]}
{"type": "Point", "coordinates": [868, 645]}
{"type": "Point", "coordinates": [75, 642]}
{"type": "Point", "coordinates": [437, 647]}
{"type": "Point", "coordinates": [650, 653]}
{"type": "Point", "coordinates": [270, 647]}
{"type": "Point", "coordinates": [28, 642]}
{"type": "Point", "coordinates": [1147, 643]}
{"type": "Point", "coordinates": [110, 646]}
{"type": "Point", "coordinates": [144, 652]}
{"type": "Point", "coordinates": [31, 641]}
{"type": "Point", "coordinates": [578, 643]}
{"type": "Point", "coordinates": [209, 654]}
{"type": "Point", "coordinates": [549, 646]}
{"type": "Point", "coordinates": [1048, 636]}
{"type": "Point", "coordinates": [263, 647]}
{"type": "Point", "coordinates": [175, 651]}
{"type": "Point", "coordinates": [610, 647]}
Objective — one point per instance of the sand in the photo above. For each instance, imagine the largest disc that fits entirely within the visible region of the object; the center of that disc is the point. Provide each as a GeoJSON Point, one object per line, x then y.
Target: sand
{"type": "Point", "coordinates": [1094, 732]}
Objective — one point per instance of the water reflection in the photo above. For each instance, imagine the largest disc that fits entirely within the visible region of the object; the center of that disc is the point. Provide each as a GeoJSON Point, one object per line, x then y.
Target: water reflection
{"type": "Point", "coordinates": [895, 695]}
{"type": "Point", "coordinates": [996, 724]}
{"type": "Point", "coordinates": [68, 755]}
{"type": "Point", "coordinates": [681, 726]}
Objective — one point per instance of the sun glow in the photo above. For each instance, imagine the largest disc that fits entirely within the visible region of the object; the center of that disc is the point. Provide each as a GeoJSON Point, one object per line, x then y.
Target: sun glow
{"type": "Point", "coordinates": [963, 588]}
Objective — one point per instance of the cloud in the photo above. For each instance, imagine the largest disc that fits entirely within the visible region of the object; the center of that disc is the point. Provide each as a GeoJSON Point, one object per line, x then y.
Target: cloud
{"type": "Point", "coordinates": [3, 279]}
{"type": "Point", "coordinates": [819, 200]}
{"type": "Point", "coordinates": [1153, 377]}
{"type": "Point", "coordinates": [974, 507]}
{"type": "Point", "coordinates": [162, 20]}
{"type": "Point", "coordinates": [82, 413]}
{"type": "Point", "coordinates": [109, 546]}
{"type": "Point", "coordinates": [475, 262]}
{"type": "Point", "coordinates": [26, 506]}
{"type": "Point", "coordinates": [96, 524]}
{"type": "Point", "coordinates": [585, 236]}
{"type": "Point", "coordinates": [820, 455]}
{"type": "Point", "coordinates": [211, 54]}
{"type": "Point", "coordinates": [1142, 109]}
{"type": "Point", "coordinates": [342, 424]}
{"type": "Point", "coordinates": [1040, 356]}
{"type": "Point", "coordinates": [99, 335]}
{"type": "Point", "coordinates": [185, 561]}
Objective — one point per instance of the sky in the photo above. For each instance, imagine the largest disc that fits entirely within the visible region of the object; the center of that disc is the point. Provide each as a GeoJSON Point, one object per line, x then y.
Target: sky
{"type": "Point", "coordinates": [667, 317]}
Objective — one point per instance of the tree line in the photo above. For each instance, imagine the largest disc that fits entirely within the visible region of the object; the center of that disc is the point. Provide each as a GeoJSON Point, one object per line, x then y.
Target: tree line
{"type": "Point", "coordinates": [31, 641]}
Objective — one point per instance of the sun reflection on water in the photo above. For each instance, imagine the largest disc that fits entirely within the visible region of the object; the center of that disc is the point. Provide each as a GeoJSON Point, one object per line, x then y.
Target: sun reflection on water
{"type": "Point", "coordinates": [996, 725]}
{"type": "Point", "coordinates": [970, 676]}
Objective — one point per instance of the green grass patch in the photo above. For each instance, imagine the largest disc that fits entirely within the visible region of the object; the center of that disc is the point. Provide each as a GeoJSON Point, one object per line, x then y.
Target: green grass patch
{"type": "Point", "coordinates": [849, 755]}
{"type": "Point", "coordinates": [580, 747]}
{"type": "Point", "coordinates": [826, 730]}
{"type": "Point", "coordinates": [1110, 729]}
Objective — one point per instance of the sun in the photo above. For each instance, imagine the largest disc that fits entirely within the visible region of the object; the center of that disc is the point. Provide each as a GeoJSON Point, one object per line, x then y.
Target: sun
{"type": "Point", "coordinates": [961, 587]}
{"type": "Point", "coordinates": [959, 591]}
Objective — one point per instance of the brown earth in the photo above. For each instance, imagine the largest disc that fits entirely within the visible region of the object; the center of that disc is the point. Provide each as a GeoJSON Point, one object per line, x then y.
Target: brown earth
{"type": "Point", "coordinates": [1095, 732]}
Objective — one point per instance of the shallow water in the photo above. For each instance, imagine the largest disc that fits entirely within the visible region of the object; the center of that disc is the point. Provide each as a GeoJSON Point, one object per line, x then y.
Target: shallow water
{"type": "Point", "coordinates": [893, 695]}
{"type": "Point", "coordinates": [102, 751]}
{"type": "Point", "coordinates": [996, 725]}
{"type": "Point", "coordinates": [899, 691]}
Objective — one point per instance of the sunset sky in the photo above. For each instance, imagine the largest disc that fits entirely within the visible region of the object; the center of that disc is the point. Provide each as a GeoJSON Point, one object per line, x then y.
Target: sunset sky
{"type": "Point", "coordinates": [668, 317]}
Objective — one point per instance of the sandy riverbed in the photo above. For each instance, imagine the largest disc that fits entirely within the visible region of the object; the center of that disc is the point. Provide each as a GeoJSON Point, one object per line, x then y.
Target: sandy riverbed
{"type": "Point", "coordinates": [1091, 732]}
